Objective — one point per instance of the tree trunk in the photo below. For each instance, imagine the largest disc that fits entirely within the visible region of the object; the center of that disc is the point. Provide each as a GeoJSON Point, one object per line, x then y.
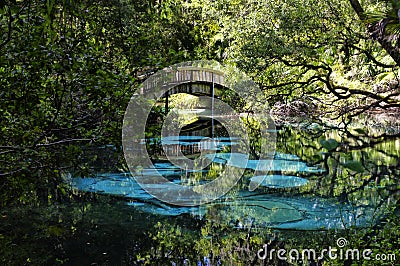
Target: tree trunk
{"type": "Point", "coordinates": [377, 32]}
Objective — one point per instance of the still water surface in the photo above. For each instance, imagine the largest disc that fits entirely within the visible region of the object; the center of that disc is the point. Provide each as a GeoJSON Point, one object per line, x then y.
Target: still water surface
{"type": "Point", "coordinates": [319, 179]}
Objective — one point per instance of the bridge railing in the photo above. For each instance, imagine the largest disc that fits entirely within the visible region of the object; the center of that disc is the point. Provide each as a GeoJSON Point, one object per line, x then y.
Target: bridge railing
{"type": "Point", "coordinates": [192, 80]}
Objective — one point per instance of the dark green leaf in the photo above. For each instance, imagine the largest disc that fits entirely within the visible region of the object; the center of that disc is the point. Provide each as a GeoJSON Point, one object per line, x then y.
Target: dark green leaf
{"type": "Point", "coordinates": [354, 166]}
{"type": "Point", "coordinates": [329, 144]}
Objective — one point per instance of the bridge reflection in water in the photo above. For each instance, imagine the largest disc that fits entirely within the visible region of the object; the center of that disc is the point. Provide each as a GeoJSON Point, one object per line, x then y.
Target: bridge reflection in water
{"type": "Point", "coordinates": [272, 205]}
{"type": "Point", "coordinates": [195, 139]}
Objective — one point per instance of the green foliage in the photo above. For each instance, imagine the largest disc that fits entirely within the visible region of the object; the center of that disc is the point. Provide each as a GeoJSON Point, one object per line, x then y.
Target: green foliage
{"type": "Point", "coordinates": [312, 51]}
{"type": "Point", "coordinates": [354, 165]}
{"type": "Point", "coordinates": [329, 144]}
{"type": "Point", "coordinates": [69, 69]}
{"type": "Point", "coordinates": [387, 10]}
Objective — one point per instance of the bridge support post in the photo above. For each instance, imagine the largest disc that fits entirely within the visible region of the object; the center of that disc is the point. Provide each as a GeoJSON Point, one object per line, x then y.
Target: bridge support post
{"type": "Point", "coordinates": [212, 90]}
{"type": "Point", "coordinates": [166, 103]}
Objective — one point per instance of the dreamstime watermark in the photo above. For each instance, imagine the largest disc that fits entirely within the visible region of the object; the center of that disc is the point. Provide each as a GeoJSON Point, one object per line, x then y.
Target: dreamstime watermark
{"type": "Point", "coordinates": [200, 78]}
{"type": "Point", "coordinates": [340, 252]}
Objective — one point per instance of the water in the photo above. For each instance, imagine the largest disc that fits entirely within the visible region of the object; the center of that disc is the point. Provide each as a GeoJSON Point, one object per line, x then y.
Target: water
{"type": "Point", "coordinates": [313, 185]}
{"type": "Point", "coordinates": [309, 184]}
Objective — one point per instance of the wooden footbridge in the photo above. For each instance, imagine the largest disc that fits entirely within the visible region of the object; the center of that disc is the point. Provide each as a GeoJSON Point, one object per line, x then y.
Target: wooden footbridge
{"type": "Point", "coordinates": [196, 81]}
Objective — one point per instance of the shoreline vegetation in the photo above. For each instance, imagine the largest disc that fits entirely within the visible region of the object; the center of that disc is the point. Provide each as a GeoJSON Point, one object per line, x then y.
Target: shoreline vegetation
{"type": "Point", "coordinates": [68, 69]}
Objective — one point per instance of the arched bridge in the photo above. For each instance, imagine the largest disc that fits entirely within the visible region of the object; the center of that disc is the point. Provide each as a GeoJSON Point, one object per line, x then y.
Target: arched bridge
{"type": "Point", "coordinates": [184, 79]}
{"type": "Point", "coordinates": [193, 80]}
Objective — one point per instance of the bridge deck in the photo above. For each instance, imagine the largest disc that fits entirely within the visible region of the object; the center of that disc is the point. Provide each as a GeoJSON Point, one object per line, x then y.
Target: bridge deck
{"type": "Point", "coordinates": [191, 80]}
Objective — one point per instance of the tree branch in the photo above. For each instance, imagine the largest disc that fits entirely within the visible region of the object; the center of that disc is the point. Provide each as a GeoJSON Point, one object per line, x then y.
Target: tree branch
{"type": "Point", "coordinates": [377, 32]}
{"type": "Point", "coordinates": [63, 142]}
{"type": "Point", "coordinates": [358, 9]}
{"type": "Point", "coordinates": [371, 57]}
{"type": "Point", "coordinates": [10, 21]}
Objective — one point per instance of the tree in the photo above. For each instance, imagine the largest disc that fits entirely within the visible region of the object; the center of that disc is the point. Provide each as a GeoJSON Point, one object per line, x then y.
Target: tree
{"type": "Point", "coordinates": [378, 25]}
{"type": "Point", "coordinates": [316, 52]}
{"type": "Point", "coordinates": [68, 70]}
